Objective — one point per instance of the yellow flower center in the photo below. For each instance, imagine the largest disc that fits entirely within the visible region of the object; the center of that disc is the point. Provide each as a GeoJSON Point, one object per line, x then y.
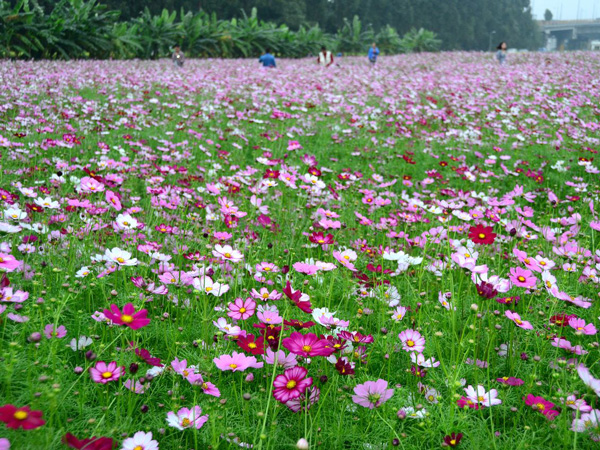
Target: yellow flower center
{"type": "Point", "coordinates": [242, 310]}
{"type": "Point", "coordinates": [481, 236]}
{"type": "Point", "coordinates": [306, 348]}
{"type": "Point", "coordinates": [20, 415]}
{"type": "Point", "coordinates": [251, 345]}
{"type": "Point", "coordinates": [121, 260]}
{"type": "Point", "coordinates": [521, 278]}
{"type": "Point", "coordinates": [291, 384]}
{"type": "Point", "coordinates": [233, 366]}
{"type": "Point", "coordinates": [452, 441]}
{"type": "Point", "coordinates": [267, 269]}
{"type": "Point", "coordinates": [185, 422]}
{"type": "Point", "coordinates": [208, 289]}
{"type": "Point", "coordinates": [518, 321]}
{"type": "Point", "coordinates": [227, 255]}
{"type": "Point", "coordinates": [265, 295]}
{"type": "Point", "coordinates": [410, 343]}
{"type": "Point", "coordinates": [106, 375]}
{"type": "Point", "coordinates": [540, 406]}
{"type": "Point", "coordinates": [320, 241]}
{"type": "Point", "coordinates": [138, 447]}
{"type": "Point", "coordinates": [127, 318]}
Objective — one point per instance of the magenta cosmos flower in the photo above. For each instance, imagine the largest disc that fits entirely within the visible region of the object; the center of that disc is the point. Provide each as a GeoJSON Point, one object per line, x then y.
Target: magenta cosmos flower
{"type": "Point", "coordinates": [412, 341]}
{"type": "Point", "coordinates": [236, 362]}
{"type": "Point", "coordinates": [103, 373]}
{"type": "Point", "coordinates": [291, 384]}
{"type": "Point", "coordinates": [517, 320]}
{"type": "Point", "coordinates": [307, 345]}
{"type": "Point", "coordinates": [242, 309]}
{"type": "Point", "coordinates": [541, 405]}
{"type": "Point", "coordinates": [372, 394]}
{"type": "Point", "coordinates": [522, 277]}
{"type": "Point", "coordinates": [128, 317]}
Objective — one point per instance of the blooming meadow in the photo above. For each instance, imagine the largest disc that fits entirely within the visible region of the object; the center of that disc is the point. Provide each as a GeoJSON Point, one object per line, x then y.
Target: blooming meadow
{"type": "Point", "coordinates": [221, 256]}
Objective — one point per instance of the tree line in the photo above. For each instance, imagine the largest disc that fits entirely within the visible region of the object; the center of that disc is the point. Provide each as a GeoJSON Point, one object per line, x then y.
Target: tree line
{"type": "Point", "coordinates": [148, 29]}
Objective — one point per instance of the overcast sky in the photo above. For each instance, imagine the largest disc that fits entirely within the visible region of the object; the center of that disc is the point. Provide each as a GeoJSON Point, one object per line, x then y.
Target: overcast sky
{"type": "Point", "coordinates": [567, 9]}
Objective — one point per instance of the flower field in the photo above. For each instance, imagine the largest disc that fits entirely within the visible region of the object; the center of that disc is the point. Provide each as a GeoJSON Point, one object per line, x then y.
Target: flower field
{"type": "Point", "coordinates": [222, 256]}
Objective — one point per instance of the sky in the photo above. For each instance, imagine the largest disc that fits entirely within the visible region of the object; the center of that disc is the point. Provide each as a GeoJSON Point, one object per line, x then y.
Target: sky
{"type": "Point", "coordinates": [566, 9]}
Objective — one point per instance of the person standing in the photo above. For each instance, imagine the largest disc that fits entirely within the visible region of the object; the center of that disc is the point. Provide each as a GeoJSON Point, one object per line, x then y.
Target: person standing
{"type": "Point", "coordinates": [325, 58]}
{"type": "Point", "coordinates": [178, 56]}
{"type": "Point", "coordinates": [373, 54]}
{"type": "Point", "coordinates": [501, 53]}
{"type": "Point", "coordinates": [267, 60]}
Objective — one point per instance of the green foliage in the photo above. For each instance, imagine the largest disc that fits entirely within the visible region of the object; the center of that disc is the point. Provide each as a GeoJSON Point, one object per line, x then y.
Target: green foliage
{"type": "Point", "coordinates": [548, 15]}
{"type": "Point", "coordinates": [416, 41]}
{"type": "Point", "coordinates": [67, 29]}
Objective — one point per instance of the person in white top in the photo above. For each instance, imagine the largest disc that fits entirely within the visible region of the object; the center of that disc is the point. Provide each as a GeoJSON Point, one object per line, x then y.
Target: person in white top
{"type": "Point", "coordinates": [325, 57]}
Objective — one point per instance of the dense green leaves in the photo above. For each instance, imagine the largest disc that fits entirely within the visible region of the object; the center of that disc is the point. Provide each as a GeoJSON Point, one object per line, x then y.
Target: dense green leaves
{"type": "Point", "coordinates": [81, 29]}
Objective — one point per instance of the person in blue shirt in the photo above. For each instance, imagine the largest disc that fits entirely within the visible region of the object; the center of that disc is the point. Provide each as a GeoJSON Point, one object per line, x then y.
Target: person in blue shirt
{"type": "Point", "coordinates": [373, 53]}
{"type": "Point", "coordinates": [267, 59]}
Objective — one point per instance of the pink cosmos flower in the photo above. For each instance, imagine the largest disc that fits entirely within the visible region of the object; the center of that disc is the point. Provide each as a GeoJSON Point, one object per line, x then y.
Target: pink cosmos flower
{"type": "Point", "coordinates": [307, 269]}
{"type": "Point", "coordinates": [307, 345]}
{"type": "Point", "coordinates": [517, 320]}
{"type": "Point", "coordinates": [113, 200]}
{"type": "Point", "coordinates": [128, 317]}
{"type": "Point", "coordinates": [412, 341]}
{"type": "Point", "coordinates": [227, 253]}
{"type": "Point", "coordinates": [242, 309]}
{"type": "Point", "coordinates": [588, 421]}
{"type": "Point", "coordinates": [50, 331]}
{"type": "Point", "coordinates": [9, 263]}
{"type": "Point", "coordinates": [580, 326]}
{"type": "Point", "coordinates": [187, 418]}
{"type": "Point", "coordinates": [236, 362]}
{"type": "Point", "coordinates": [103, 373]}
{"type": "Point", "coordinates": [265, 295]}
{"type": "Point", "coordinates": [291, 384]}
{"type": "Point", "coordinates": [542, 405]}
{"type": "Point", "coordinates": [372, 394]}
{"type": "Point", "coordinates": [280, 358]}
{"type": "Point", "coordinates": [522, 277]}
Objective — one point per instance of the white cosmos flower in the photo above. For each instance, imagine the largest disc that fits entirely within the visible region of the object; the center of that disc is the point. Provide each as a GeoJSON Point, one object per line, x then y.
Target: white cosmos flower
{"type": "Point", "coordinates": [121, 257]}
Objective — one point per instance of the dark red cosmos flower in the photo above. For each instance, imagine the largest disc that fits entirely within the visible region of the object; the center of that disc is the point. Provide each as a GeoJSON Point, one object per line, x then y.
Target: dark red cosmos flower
{"type": "Point", "coordinates": [270, 334]}
{"type": "Point", "coordinates": [252, 344]}
{"type": "Point", "coordinates": [378, 269]}
{"type": "Point", "coordinates": [314, 171]}
{"type": "Point", "coordinates": [271, 174]}
{"type": "Point", "coordinates": [418, 371]}
{"type": "Point", "coordinates": [298, 325]}
{"type": "Point", "coordinates": [453, 439]}
{"type": "Point", "coordinates": [344, 367]}
{"type": "Point", "coordinates": [463, 402]}
{"type": "Point", "coordinates": [320, 238]}
{"type": "Point", "coordinates": [355, 337]}
{"type": "Point", "coordinates": [336, 343]}
{"type": "Point", "coordinates": [147, 357]}
{"type": "Point", "coordinates": [482, 235]}
{"type": "Point", "coordinates": [93, 443]}
{"type": "Point", "coordinates": [561, 320]}
{"type": "Point", "coordinates": [486, 290]}
{"type": "Point", "coordinates": [32, 207]}
{"type": "Point", "coordinates": [22, 417]}
{"type": "Point", "coordinates": [296, 297]}
{"type": "Point", "coordinates": [509, 300]}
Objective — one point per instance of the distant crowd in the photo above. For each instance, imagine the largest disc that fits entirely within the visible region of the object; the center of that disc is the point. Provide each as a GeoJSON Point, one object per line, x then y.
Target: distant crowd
{"type": "Point", "coordinates": [325, 57]}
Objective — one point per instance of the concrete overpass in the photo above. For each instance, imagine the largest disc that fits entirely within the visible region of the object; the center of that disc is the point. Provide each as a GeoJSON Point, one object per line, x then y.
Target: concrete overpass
{"type": "Point", "coordinates": [570, 34]}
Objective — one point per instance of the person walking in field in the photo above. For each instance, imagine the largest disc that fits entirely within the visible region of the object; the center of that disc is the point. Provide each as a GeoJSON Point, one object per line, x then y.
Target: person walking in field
{"type": "Point", "coordinates": [373, 54]}
{"type": "Point", "coordinates": [178, 56]}
{"type": "Point", "coordinates": [325, 58]}
{"type": "Point", "coordinates": [501, 53]}
{"type": "Point", "coordinates": [267, 60]}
